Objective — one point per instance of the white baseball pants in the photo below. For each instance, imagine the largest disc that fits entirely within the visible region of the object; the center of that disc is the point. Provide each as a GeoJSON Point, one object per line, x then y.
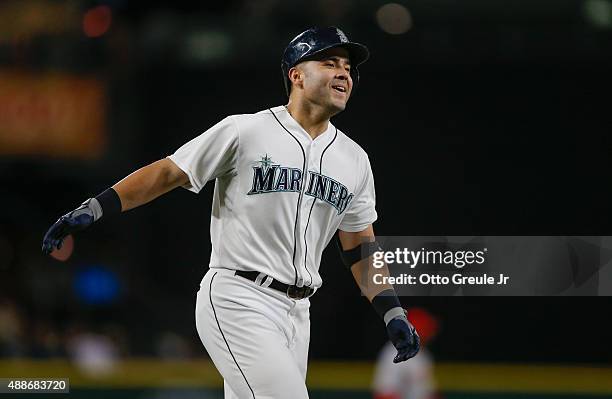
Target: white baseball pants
{"type": "Point", "coordinates": [256, 336]}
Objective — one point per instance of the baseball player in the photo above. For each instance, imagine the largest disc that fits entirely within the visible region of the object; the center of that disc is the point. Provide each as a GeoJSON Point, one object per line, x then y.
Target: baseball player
{"type": "Point", "coordinates": [286, 179]}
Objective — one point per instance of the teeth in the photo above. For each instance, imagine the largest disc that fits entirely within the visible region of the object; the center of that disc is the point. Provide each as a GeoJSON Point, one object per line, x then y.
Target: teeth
{"type": "Point", "coordinates": [339, 88]}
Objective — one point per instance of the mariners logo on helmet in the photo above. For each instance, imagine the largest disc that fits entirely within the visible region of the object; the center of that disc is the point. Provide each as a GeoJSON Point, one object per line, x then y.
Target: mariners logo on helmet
{"type": "Point", "coordinates": [303, 47]}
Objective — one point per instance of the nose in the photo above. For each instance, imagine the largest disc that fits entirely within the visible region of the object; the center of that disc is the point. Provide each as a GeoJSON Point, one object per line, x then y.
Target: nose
{"type": "Point", "coordinates": [343, 74]}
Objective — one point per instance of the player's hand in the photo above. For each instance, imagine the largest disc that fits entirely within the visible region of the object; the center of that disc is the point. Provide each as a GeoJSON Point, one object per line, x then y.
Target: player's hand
{"type": "Point", "coordinates": [404, 337]}
{"type": "Point", "coordinates": [73, 221]}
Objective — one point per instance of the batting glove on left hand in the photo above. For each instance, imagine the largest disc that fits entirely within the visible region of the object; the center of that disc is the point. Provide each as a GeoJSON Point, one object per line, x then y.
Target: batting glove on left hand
{"type": "Point", "coordinates": [404, 337]}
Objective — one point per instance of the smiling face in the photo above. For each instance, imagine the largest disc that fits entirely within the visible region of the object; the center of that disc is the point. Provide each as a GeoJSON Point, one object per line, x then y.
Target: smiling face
{"type": "Point", "coordinates": [324, 80]}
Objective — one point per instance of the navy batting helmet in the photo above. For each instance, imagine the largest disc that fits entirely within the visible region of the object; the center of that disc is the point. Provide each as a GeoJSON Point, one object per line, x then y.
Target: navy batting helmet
{"type": "Point", "coordinates": [316, 40]}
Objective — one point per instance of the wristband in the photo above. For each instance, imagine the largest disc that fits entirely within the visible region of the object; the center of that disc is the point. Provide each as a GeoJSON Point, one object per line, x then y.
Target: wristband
{"type": "Point", "coordinates": [387, 305]}
{"type": "Point", "coordinates": [395, 313]}
{"type": "Point", "coordinates": [109, 202]}
{"type": "Point", "coordinates": [94, 206]}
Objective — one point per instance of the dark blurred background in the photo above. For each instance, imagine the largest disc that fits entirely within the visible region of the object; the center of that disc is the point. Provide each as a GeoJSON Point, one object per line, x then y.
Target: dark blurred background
{"type": "Point", "coordinates": [479, 117]}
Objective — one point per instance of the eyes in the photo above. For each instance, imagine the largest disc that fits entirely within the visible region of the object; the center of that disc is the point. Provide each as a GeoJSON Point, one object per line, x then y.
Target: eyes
{"type": "Point", "coordinates": [331, 64]}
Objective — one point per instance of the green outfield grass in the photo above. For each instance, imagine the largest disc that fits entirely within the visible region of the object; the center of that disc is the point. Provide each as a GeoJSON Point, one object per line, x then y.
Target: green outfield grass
{"type": "Point", "coordinates": [155, 379]}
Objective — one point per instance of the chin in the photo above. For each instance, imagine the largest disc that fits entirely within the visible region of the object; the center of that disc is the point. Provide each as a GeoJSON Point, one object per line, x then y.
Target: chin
{"type": "Point", "coordinates": [337, 106]}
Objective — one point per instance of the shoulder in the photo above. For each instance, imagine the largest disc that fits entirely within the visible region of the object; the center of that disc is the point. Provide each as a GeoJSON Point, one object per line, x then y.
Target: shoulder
{"type": "Point", "coordinates": [263, 116]}
{"type": "Point", "coordinates": [253, 124]}
{"type": "Point", "coordinates": [351, 147]}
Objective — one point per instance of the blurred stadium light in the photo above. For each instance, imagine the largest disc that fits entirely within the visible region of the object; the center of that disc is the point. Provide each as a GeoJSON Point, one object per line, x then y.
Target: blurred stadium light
{"type": "Point", "coordinates": [97, 21]}
{"type": "Point", "coordinates": [394, 18]}
{"type": "Point", "coordinates": [598, 13]}
{"type": "Point", "coordinates": [202, 46]}
{"type": "Point", "coordinates": [20, 20]}
{"type": "Point", "coordinates": [51, 114]}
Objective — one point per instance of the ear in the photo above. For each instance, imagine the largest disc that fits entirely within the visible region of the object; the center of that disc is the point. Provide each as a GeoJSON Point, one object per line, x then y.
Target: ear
{"type": "Point", "coordinates": [296, 76]}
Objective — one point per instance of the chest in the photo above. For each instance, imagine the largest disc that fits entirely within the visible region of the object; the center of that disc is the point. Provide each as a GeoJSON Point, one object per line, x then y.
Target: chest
{"type": "Point", "coordinates": [279, 163]}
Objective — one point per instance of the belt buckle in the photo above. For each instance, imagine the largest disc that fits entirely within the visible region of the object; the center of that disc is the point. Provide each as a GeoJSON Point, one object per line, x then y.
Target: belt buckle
{"type": "Point", "coordinates": [295, 292]}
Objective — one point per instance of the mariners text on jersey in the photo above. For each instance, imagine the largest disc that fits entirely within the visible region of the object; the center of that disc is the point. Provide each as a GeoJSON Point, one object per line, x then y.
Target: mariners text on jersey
{"type": "Point", "coordinates": [270, 178]}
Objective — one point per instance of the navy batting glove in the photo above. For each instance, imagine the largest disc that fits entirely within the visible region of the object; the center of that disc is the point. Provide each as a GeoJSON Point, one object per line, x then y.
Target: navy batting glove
{"type": "Point", "coordinates": [73, 221]}
{"type": "Point", "coordinates": [404, 337]}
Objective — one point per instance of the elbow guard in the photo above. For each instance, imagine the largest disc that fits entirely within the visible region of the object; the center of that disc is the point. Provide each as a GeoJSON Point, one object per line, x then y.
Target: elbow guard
{"type": "Point", "coordinates": [360, 252]}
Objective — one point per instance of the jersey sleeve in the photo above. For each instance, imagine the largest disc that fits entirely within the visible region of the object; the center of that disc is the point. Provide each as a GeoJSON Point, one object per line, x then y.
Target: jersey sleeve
{"type": "Point", "coordinates": [361, 211]}
{"type": "Point", "coordinates": [210, 155]}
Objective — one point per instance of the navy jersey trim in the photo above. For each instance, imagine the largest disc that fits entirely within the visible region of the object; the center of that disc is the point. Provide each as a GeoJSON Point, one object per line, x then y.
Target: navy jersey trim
{"type": "Point", "coordinates": [223, 335]}
{"type": "Point", "coordinates": [312, 206]}
{"type": "Point", "coordinates": [299, 201]}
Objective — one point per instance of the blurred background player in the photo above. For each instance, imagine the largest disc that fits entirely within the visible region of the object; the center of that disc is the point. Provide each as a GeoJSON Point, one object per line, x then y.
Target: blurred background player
{"type": "Point", "coordinates": [413, 379]}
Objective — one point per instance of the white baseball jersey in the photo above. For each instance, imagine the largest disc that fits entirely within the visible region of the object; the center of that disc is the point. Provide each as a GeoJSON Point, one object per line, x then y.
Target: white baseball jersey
{"type": "Point", "coordinates": [279, 195]}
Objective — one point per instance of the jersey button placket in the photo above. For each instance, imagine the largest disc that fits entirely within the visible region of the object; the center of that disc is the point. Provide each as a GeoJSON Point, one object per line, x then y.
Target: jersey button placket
{"type": "Point", "coordinates": [307, 200]}
{"type": "Point", "coordinates": [304, 210]}
{"type": "Point", "coordinates": [307, 204]}
{"type": "Point", "coordinates": [302, 274]}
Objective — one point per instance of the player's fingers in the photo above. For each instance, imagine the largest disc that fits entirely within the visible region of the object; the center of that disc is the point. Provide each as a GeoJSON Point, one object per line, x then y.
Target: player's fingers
{"type": "Point", "coordinates": [46, 248]}
{"type": "Point", "coordinates": [47, 245]}
{"type": "Point", "coordinates": [401, 357]}
{"type": "Point", "coordinates": [61, 230]}
{"type": "Point", "coordinates": [54, 238]}
{"type": "Point", "coordinates": [405, 354]}
{"type": "Point", "coordinates": [54, 231]}
{"type": "Point", "coordinates": [412, 353]}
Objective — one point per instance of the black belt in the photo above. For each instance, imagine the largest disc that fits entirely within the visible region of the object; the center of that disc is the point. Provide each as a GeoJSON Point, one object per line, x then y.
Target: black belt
{"type": "Point", "coordinates": [292, 291]}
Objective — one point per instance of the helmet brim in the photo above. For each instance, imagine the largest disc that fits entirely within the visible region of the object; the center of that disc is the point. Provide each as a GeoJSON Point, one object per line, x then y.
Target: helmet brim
{"type": "Point", "coordinates": [358, 53]}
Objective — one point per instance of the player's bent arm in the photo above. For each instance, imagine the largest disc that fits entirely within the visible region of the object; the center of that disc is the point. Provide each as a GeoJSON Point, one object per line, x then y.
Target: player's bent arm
{"type": "Point", "coordinates": [356, 251]}
{"type": "Point", "coordinates": [362, 270]}
{"type": "Point", "coordinates": [148, 183]}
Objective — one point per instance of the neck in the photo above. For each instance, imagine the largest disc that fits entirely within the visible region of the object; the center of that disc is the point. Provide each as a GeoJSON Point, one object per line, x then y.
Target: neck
{"type": "Point", "coordinates": [312, 118]}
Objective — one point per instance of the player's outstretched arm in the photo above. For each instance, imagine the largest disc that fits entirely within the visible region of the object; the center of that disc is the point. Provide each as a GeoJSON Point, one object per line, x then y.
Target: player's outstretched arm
{"type": "Point", "coordinates": [148, 183]}
{"type": "Point", "coordinates": [356, 251]}
{"type": "Point", "coordinates": [140, 187]}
